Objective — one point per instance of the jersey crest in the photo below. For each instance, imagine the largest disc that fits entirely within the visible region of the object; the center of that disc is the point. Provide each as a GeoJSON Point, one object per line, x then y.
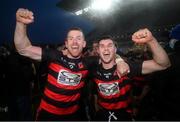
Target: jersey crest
{"type": "Point", "coordinates": [67, 78]}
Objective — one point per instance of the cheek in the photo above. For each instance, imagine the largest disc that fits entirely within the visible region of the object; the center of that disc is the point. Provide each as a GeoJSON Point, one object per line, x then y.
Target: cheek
{"type": "Point", "coordinates": [113, 51]}
{"type": "Point", "coordinates": [100, 50]}
{"type": "Point", "coordinates": [69, 43]}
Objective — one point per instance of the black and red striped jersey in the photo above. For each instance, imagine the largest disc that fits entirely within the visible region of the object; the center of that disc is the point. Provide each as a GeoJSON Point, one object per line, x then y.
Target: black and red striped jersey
{"type": "Point", "coordinates": [114, 92]}
{"type": "Point", "coordinates": [66, 78]}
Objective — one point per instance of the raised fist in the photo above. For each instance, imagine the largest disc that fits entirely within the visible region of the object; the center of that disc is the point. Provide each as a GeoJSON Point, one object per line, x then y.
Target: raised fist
{"type": "Point", "coordinates": [24, 16]}
{"type": "Point", "coordinates": [142, 36]}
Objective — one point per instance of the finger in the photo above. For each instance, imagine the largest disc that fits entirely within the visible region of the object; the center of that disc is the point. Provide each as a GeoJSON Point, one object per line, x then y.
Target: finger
{"type": "Point", "coordinates": [31, 15]}
{"type": "Point", "coordinates": [24, 20]}
{"type": "Point", "coordinates": [119, 75]}
{"type": "Point", "coordinates": [25, 13]}
{"type": "Point", "coordinates": [140, 39]}
{"type": "Point", "coordinates": [142, 34]}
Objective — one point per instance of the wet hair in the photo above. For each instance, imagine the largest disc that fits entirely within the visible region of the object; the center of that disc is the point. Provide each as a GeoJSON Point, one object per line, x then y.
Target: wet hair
{"type": "Point", "coordinates": [104, 37]}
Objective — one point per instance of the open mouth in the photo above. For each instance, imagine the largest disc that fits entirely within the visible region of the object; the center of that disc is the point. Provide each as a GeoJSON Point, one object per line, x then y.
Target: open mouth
{"type": "Point", "coordinates": [75, 47]}
{"type": "Point", "coordinates": [106, 55]}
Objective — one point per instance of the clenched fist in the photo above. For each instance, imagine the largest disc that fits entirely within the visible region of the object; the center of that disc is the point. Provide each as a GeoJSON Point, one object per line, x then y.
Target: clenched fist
{"type": "Point", "coordinates": [24, 16]}
{"type": "Point", "coordinates": [142, 36]}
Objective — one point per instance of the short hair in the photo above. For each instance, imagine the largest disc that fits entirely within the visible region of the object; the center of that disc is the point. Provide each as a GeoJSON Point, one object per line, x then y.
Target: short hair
{"type": "Point", "coordinates": [107, 37]}
{"type": "Point", "coordinates": [75, 28]}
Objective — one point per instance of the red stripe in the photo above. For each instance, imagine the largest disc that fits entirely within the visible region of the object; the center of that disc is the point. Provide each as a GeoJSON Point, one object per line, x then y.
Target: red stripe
{"type": "Point", "coordinates": [57, 68]}
{"type": "Point", "coordinates": [138, 78]}
{"type": "Point", "coordinates": [118, 105]}
{"type": "Point", "coordinates": [122, 92]}
{"type": "Point", "coordinates": [54, 82]}
{"type": "Point", "coordinates": [58, 111]}
{"type": "Point", "coordinates": [129, 110]}
{"type": "Point", "coordinates": [59, 97]}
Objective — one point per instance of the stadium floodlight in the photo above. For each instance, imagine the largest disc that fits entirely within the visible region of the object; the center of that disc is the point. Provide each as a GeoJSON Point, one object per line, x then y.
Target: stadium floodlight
{"type": "Point", "coordinates": [101, 4]}
{"type": "Point", "coordinates": [79, 12]}
{"type": "Point", "coordinates": [86, 9]}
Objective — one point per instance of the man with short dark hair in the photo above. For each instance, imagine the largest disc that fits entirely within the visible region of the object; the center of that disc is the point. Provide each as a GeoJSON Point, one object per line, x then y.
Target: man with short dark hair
{"type": "Point", "coordinates": [113, 93]}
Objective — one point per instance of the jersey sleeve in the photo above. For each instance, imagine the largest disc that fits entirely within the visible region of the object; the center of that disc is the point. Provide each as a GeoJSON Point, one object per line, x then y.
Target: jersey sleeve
{"type": "Point", "coordinates": [91, 62]}
{"type": "Point", "coordinates": [50, 54]}
{"type": "Point", "coordinates": [135, 68]}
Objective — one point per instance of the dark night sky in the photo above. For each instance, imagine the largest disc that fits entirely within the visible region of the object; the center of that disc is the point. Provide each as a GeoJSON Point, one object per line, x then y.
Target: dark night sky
{"type": "Point", "coordinates": [51, 22]}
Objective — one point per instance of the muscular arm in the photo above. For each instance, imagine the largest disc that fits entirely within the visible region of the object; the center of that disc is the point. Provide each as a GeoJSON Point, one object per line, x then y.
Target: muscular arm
{"type": "Point", "coordinates": [21, 41]}
{"type": "Point", "coordinates": [160, 59]}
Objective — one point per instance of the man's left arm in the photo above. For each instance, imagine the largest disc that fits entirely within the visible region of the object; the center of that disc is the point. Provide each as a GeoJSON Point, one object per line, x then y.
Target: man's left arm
{"type": "Point", "coordinates": [160, 59]}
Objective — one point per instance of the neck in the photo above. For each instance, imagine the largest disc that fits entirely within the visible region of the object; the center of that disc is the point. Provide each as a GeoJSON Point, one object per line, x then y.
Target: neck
{"type": "Point", "coordinates": [108, 65]}
{"type": "Point", "coordinates": [72, 57]}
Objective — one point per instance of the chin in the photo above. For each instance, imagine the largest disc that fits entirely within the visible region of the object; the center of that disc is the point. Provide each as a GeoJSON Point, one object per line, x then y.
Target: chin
{"type": "Point", "coordinates": [106, 61]}
{"type": "Point", "coordinates": [76, 55]}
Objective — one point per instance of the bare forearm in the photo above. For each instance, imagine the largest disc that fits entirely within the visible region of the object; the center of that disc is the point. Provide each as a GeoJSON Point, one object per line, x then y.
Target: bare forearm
{"type": "Point", "coordinates": [23, 45]}
{"type": "Point", "coordinates": [21, 40]}
{"type": "Point", "coordinates": [159, 54]}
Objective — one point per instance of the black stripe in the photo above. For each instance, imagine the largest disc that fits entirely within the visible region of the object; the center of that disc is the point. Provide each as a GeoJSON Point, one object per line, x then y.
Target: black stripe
{"type": "Point", "coordinates": [61, 90]}
{"type": "Point", "coordinates": [118, 99]}
{"type": "Point", "coordinates": [66, 65]}
{"type": "Point", "coordinates": [124, 83]}
{"type": "Point", "coordinates": [59, 104]}
{"type": "Point", "coordinates": [53, 73]}
{"type": "Point", "coordinates": [105, 79]}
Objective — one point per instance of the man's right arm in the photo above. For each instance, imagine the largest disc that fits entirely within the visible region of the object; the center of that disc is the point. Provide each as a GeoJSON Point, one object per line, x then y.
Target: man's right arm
{"type": "Point", "coordinates": [21, 41]}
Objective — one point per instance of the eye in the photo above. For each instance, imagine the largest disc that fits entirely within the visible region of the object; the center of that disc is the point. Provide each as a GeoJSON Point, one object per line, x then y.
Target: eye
{"type": "Point", "coordinates": [69, 38]}
{"type": "Point", "coordinates": [110, 45]}
{"type": "Point", "coordinates": [101, 46]}
{"type": "Point", "coordinates": [79, 38]}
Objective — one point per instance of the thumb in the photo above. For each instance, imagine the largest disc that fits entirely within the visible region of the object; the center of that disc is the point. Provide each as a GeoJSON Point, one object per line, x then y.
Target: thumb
{"type": "Point", "coordinates": [119, 74]}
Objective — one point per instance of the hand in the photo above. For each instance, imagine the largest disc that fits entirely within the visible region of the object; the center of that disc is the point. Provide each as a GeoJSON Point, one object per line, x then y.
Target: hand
{"type": "Point", "coordinates": [142, 36]}
{"type": "Point", "coordinates": [122, 68]}
{"type": "Point", "coordinates": [24, 16]}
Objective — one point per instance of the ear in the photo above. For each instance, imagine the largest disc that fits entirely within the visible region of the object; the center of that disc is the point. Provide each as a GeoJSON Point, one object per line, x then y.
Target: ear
{"type": "Point", "coordinates": [115, 49]}
{"type": "Point", "coordinates": [84, 44]}
{"type": "Point", "coordinates": [66, 43]}
{"type": "Point", "coordinates": [98, 50]}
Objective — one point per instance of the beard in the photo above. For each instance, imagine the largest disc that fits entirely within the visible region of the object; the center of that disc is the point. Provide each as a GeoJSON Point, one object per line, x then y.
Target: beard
{"type": "Point", "coordinates": [74, 53]}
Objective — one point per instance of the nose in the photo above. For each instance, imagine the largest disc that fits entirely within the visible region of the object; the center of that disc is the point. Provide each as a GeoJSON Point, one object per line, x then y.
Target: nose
{"type": "Point", "coordinates": [75, 40]}
{"type": "Point", "coordinates": [105, 48]}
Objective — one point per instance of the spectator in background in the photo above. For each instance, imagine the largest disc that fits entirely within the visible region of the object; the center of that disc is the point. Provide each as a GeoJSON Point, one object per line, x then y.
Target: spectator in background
{"type": "Point", "coordinates": [94, 51]}
{"type": "Point", "coordinates": [175, 39]}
